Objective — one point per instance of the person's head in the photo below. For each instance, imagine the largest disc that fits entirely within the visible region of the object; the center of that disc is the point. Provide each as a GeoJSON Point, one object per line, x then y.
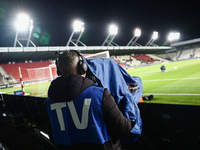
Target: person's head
{"type": "Point", "coordinates": [132, 87]}
{"type": "Point", "coordinates": [71, 62]}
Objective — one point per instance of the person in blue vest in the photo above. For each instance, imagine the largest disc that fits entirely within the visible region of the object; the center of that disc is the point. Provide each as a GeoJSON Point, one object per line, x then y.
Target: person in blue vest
{"type": "Point", "coordinates": [163, 68]}
{"type": "Point", "coordinates": [82, 115]}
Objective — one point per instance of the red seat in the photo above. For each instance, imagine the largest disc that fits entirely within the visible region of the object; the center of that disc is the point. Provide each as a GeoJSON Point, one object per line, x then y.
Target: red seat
{"type": "Point", "coordinates": [144, 58]}
{"type": "Point", "coordinates": [13, 69]}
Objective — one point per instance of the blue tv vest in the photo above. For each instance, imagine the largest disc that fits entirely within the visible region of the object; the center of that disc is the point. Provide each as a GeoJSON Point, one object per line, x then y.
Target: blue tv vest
{"type": "Point", "coordinates": [80, 120]}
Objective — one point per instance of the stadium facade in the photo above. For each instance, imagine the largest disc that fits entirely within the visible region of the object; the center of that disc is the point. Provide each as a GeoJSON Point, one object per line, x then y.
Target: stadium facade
{"type": "Point", "coordinates": [22, 54]}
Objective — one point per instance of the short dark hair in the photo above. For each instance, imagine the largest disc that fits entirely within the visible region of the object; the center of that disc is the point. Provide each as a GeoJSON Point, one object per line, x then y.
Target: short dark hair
{"type": "Point", "coordinates": [67, 62]}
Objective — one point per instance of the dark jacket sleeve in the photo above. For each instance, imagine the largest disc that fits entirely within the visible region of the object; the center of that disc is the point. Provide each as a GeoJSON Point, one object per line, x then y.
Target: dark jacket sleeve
{"type": "Point", "coordinates": [117, 124]}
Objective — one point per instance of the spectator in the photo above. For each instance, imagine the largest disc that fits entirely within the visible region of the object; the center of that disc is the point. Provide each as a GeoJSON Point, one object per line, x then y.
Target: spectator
{"type": "Point", "coordinates": [81, 115]}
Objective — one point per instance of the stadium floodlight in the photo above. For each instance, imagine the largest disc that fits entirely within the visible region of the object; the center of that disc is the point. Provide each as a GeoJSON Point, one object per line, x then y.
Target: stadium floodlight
{"type": "Point", "coordinates": [137, 34]}
{"type": "Point", "coordinates": [23, 24]}
{"type": "Point", "coordinates": [172, 37]}
{"type": "Point", "coordinates": [177, 35]}
{"type": "Point", "coordinates": [154, 37]}
{"type": "Point", "coordinates": [78, 28]}
{"type": "Point", "coordinates": [113, 30]}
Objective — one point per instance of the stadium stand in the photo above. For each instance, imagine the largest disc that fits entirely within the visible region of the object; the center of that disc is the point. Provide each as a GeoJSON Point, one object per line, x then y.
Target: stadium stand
{"type": "Point", "coordinates": [197, 53]}
{"type": "Point", "coordinates": [144, 58]}
{"type": "Point", "coordinates": [156, 57]}
{"type": "Point", "coordinates": [122, 65]}
{"type": "Point", "coordinates": [3, 76]}
{"type": "Point", "coordinates": [172, 56]}
{"type": "Point", "coordinates": [165, 126]}
{"type": "Point", "coordinates": [163, 56]}
{"type": "Point", "coordinates": [186, 54]}
{"type": "Point", "coordinates": [126, 60]}
{"type": "Point", "coordinates": [168, 126]}
{"type": "Point", "coordinates": [28, 70]}
{"type": "Point", "coordinates": [168, 56]}
{"type": "Point", "coordinates": [1, 80]}
{"type": "Point", "coordinates": [30, 107]}
{"type": "Point", "coordinates": [122, 58]}
{"type": "Point", "coordinates": [134, 62]}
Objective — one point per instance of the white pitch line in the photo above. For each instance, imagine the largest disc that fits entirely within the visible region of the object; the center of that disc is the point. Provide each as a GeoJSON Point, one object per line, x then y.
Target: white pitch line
{"type": "Point", "coordinates": [41, 95]}
{"type": "Point", "coordinates": [170, 94]}
{"type": "Point", "coordinates": [172, 79]}
{"type": "Point", "coordinates": [2, 92]}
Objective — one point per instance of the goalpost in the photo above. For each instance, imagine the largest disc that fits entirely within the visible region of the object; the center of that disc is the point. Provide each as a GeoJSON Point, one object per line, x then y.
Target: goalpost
{"type": "Point", "coordinates": [34, 76]}
{"type": "Point", "coordinates": [104, 54]}
{"type": "Point", "coordinates": [42, 73]}
{"type": "Point", "coordinates": [48, 73]}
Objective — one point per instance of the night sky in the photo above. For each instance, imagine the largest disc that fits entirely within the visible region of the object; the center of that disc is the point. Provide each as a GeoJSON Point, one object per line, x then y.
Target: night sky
{"type": "Point", "coordinates": [53, 19]}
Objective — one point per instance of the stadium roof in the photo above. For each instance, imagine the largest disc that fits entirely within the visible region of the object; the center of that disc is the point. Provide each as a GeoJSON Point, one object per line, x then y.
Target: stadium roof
{"type": "Point", "coordinates": [21, 54]}
{"type": "Point", "coordinates": [186, 42]}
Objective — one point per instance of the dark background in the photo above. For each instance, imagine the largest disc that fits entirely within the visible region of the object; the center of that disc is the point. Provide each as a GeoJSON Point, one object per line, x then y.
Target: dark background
{"type": "Point", "coordinates": [53, 19]}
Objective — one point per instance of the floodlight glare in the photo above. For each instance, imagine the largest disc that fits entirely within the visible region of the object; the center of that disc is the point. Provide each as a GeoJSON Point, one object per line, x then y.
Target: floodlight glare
{"type": "Point", "coordinates": [137, 32]}
{"type": "Point", "coordinates": [78, 26]}
{"type": "Point", "coordinates": [113, 29]}
{"type": "Point", "coordinates": [155, 35]}
{"type": "Point", "coordinates": [22, 22]}
{"type": "Point", "coordinates": [177, 35]}
{"type": "Point", "coordinates": [173, 36]}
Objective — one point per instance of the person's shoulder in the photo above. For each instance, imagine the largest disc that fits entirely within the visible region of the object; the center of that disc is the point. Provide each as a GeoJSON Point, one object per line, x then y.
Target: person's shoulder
{"type": "Point", "coordinates": [94, 87]}
{"type": "Point", "coordinates": [107, 95]}
{"type": "Point", "coordinates": [107, 92]}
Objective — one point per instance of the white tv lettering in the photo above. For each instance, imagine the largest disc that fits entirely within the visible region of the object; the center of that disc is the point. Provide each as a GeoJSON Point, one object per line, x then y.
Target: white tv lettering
{"type": "Point", "coordinates": [57, 107]}
{"type": "Point", "coordinates": [84, 119]}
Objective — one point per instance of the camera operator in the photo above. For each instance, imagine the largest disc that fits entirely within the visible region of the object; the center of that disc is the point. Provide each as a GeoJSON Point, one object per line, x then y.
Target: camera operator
{"type": "Point", "coordinates": [82, 115]}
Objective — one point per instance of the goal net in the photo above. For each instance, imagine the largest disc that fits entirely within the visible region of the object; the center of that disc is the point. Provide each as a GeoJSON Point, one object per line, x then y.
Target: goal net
{"type": "Point", "coordinates": [50, 72]}
{"type": "Point", "coordinates": [104, 54]}
{"type": "Point", "coordinates": [42, 73]}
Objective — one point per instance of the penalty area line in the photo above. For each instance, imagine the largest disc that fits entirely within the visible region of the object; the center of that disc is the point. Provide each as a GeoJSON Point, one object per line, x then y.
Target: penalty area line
{"type": "Point", "coordinates": [171, 94]}
{"type": "Point", "coordinates": [3, 92]}
{"type": "Point", "coordinates": [172, 79]}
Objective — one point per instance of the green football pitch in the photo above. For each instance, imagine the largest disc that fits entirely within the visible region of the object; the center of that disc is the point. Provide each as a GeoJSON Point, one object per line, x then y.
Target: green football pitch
{"type": "Point", "coordinates": [174, 86]}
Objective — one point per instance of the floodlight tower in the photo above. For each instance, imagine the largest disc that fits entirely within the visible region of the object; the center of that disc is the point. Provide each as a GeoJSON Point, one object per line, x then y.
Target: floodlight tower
{"type": "Point", "coordinates": [171, 37]}
{"type": "Point", "coordinates": [137, 33]}
{"type": "Point", "coordinates": [23, 24]}
{"type": "Point", "coordinates": [78, 28]}
{"type": "Point", "coordinates": [154, 37]}
{"type": "Point", "coordinates": [113, 30]}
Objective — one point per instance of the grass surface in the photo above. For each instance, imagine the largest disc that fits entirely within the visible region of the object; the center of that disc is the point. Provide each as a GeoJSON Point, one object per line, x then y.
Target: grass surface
{"type": "Point", "coordinates": [174, 86]}
{"type": "Point", "coordinates": [39, 90]}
